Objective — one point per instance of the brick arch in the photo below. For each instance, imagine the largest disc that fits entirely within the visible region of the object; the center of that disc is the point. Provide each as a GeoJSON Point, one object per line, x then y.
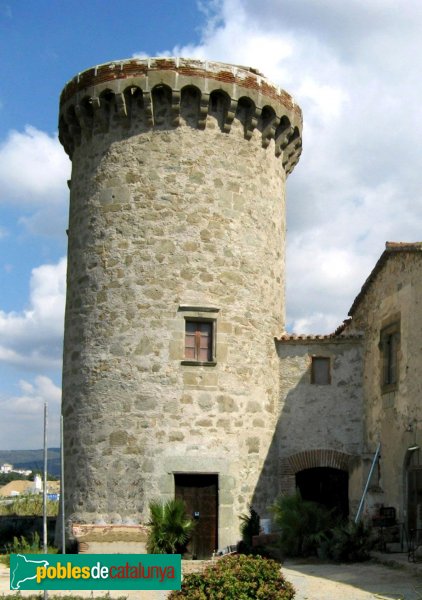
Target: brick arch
{"type": "Point", "coordinates": [319, 458]}
{"type": "Point", "coordinates": [309, 459]}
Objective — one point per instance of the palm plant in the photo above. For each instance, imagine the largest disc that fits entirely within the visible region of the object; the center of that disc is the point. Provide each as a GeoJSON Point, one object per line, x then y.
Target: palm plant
{"type": "Point", "coordinates": [303, 524]}
{"type": "Point", "coordinates": [170, 529]}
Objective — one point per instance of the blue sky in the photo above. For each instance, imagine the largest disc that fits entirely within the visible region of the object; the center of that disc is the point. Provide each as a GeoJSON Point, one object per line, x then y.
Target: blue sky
{"type": "Point", "coordinates": [353, 66]}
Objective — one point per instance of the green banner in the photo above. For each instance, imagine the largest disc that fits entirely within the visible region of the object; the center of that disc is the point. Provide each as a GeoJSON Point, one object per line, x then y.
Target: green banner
{"type": "Point", "coordinates": [95, 571]}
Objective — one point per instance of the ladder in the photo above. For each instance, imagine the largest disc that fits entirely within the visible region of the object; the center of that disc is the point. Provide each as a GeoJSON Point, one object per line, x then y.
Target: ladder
{"type": "Point", "coordinates": [371, 470]}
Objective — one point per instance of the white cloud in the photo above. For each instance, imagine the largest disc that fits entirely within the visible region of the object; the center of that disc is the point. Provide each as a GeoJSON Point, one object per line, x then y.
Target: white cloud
{"type": "Point", "coordinates": [33, 338]}
{"type": "Point", "coordinates": [351, 66]}
{"type": "Point", "coordinates": [33, 168]}
{"type": "Point", "coordinates": [25, 411]}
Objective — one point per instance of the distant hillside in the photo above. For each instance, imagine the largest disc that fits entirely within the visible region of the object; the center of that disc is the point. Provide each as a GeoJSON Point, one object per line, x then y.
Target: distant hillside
{"type": "Point", "coordinates": [32, 459]}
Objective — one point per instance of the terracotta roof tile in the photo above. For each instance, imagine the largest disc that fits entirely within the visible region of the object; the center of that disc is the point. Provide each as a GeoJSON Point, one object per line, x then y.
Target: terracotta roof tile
{"type": "Point", "coordinates": [337, 335]}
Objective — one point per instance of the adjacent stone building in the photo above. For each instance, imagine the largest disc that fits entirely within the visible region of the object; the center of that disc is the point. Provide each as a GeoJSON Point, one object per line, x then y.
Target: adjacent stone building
{"type": "Point", "coordinates": [178, 376]}
{"type": "Point", "coordinates": [347, 393]}
{"type": "Point", "coordinates": [388, 311]}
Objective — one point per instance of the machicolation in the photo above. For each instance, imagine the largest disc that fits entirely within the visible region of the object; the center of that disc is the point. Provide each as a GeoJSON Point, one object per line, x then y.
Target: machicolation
{"type": "Point", "coordinates": [161, 93]}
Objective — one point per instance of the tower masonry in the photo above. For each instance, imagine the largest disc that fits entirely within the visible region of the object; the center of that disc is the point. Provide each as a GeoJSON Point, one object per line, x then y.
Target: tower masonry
{"type": "Point", "coordinates": [175, 291]}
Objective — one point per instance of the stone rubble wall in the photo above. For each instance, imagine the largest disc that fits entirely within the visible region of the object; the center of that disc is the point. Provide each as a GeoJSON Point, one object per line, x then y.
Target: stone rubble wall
{"type": "Point", "coordinates": [166, 215]}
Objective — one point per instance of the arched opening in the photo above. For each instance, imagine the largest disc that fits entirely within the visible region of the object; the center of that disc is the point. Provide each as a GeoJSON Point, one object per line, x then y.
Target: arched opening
{"type": "Point", "coordinates": [161, 105]}
{"type": "Point", "coordinates": [190, 105]}
{"type": "Point", "coordinates": [219, 106]}
{"type": "Point", "coordinates": [267, 118]}
{"type": "Point", "coordinates": [108, 106]}
{"type": "Point", "coordinates": [134, 102]}
{"type": "Point", "coordinates": [244, 113]}
{"type": "Point", "coordinates": [327, 486]}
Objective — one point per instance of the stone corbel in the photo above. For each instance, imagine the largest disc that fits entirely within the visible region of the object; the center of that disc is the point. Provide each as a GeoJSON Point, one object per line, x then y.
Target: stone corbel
{"type": "Point", "coordinates": [175, 108]}
{"type": "Point", "coordinates": [252, 122]}
{"type": "Point", "coordinates": [230, 116]}
{"type": "Point", "coordinates": [203, 110]}
{"type": "Point", "coordinates": [268, 133]}
{"type": "Point", "coordinates": [121, 107]}
{"type": "Point", "coordinates": [149, 121]}
{"type": "Point", "coordinates": [282, 140]}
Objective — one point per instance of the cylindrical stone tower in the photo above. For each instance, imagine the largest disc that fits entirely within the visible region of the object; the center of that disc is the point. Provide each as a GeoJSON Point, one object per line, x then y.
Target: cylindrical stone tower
{"type": "Point", "coordinates": [175, 290]}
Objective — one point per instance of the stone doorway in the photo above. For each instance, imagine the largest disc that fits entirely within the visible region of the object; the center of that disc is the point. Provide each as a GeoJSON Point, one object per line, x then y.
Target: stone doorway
{"type": "Point", "coordinates": [200, 494]}
{"type": "Point", "coordinates": [327, 486]}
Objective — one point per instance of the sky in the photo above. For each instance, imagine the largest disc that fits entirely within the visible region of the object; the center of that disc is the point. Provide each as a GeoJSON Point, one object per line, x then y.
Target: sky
{"type": "Point", "coordinates": [353, 67]}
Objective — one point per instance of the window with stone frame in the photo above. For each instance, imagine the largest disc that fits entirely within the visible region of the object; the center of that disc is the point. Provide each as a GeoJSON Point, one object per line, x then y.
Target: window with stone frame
{"type": "Point", "coordinates": [389, 346]}
{"type": "Point", "coordinates": [199, 340]}
{"type": "Point", "coordinates": [321, 370]}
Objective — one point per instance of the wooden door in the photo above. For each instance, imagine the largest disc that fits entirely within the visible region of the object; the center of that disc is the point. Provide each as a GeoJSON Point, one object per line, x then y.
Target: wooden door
{"type": "Point", "coordinates": [200, 494]}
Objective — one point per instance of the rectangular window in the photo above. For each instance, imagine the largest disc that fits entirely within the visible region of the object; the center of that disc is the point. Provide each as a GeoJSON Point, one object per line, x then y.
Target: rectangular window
{"type": "Point", "coordinates": [389, 345]}
{"type": "Point", "coordinates": [199, 341]}
{"type": "Point", "coordinates": [320, 370]}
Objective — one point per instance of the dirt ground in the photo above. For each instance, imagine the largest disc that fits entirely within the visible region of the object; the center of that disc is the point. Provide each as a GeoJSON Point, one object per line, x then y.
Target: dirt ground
{"type": "Point", "coordinates": [314, 581]}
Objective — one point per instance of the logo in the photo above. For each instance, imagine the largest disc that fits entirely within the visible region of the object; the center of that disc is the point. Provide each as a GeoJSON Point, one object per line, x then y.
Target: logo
{"type": "Point", "coordinates": [95, 572]}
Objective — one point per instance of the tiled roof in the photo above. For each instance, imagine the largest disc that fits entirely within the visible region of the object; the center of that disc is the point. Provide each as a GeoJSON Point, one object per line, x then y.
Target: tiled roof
{"type": "Point", "coordinates": [391, 248]}
{"type": "Point", "coordinates": [332, 337]}
{"type": "Point", "coordinates": [336, 336]}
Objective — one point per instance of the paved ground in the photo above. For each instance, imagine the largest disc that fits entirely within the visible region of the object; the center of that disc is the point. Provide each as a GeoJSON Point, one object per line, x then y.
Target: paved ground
{"type": "Point", "coordinates": [317, 581]}
{"type": "Point", "coordinates": [359, 581]}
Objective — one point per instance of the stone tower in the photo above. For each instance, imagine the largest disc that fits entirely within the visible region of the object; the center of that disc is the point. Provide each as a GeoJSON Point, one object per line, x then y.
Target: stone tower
{"type": "Point", "coordinates": [175, 290]}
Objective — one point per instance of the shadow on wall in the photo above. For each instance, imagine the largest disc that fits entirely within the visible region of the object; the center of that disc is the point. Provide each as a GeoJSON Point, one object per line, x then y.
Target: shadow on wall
{"type": "Point", "coordinates": [317, 443]}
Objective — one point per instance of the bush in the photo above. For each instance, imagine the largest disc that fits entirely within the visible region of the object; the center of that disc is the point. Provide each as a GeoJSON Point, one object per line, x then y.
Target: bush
{"type": "Point", "coordinates": [303, 524]}
{"type": "Point", "coordinates": [29, 505]}
{"type": "Point", "coordinates": [347, 542]}
{"type": "Point", "coordinates": [237, 577]}
{"type": "Point", "coordinates": [170, 529]}
{"type": "Point", "coordinates": [23, 546]}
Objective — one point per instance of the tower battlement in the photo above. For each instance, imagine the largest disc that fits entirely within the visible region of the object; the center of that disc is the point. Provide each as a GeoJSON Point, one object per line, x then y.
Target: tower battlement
{"type": "Point", "coordinates": [164, 93]}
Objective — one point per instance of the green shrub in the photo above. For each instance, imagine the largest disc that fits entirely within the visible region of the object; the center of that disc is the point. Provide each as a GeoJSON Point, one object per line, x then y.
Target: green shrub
{"type": "Point", "coordinates": [170, 529]}
{"type": "Point", "coordinates": [249, 527]}
{"type": "Point", "coordinates": [303, 524]}
{"type": "Point", "coordinates": [237, 577]}
{"type": "Point", "coordinates": [29, 505]}
{"type": "Point", "coordinates": [347, 542]}
{"type": "Point", "coordinates": [23, 546]}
